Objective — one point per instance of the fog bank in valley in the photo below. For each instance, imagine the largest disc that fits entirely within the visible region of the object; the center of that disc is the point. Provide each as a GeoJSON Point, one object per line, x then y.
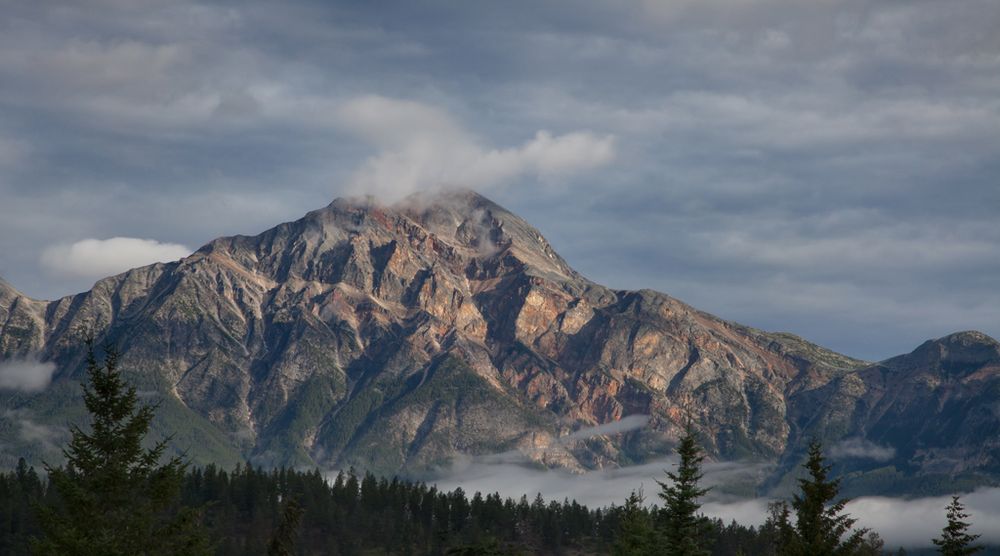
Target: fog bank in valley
{"type": "Point", "coordinates": [900, 522]}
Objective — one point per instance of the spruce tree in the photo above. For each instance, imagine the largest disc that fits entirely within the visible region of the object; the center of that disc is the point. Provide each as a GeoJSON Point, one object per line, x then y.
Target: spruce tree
{"type": "Point", "coordinates": [113, 496]}
{"type": "Point", "coordinates": [635, 536]}
{"type": "Point", "coordinates": [284, 537]}
{"type": "Point", "coordinates": [820, 524]}
{"type": "Point", "coordinates": [684, 530]}
{"type": "Point", "coordinates": [955, 539]}
{"type": "Point", "coordinates": [779, 525]}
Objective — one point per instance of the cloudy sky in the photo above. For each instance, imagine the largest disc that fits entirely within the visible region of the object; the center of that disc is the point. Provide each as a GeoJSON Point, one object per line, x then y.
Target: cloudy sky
{"type": "Point", "coordinates": [827, 168]}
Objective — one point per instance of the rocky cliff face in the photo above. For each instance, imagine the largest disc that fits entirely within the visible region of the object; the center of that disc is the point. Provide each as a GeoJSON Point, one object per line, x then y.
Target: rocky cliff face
{"type": "Point", "coordinates": [399, 337]}
{"type": "Point", "coordinates": [22, 323]}
{"type": "Point", "coordinates": [913, 421]}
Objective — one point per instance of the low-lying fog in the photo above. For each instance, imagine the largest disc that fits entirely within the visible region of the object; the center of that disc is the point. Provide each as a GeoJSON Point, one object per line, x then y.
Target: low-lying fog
{"type": "Point", "coordinates": [900, 522]}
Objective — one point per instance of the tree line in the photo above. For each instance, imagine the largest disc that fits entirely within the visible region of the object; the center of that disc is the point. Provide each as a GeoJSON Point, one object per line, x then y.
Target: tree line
{"type": "Point", "coordinates": [112, 497]}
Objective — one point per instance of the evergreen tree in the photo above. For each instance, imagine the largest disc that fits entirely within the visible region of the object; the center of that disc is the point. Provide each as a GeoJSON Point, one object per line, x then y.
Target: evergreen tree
{"type": "Point", "coordinates": [780, 525]}
{"type": "Point", "coordinates": [955, 539]}
{"type": "Point", "coordinates": [114, 497]}
{"type": "Point", "coordinates": [636, 536]}
{"type": "Point", "coordinates": [820, 524]}
{"type": "Point", "coordinates": [243, 509]}
{"type": "Point", "coordinates": [872, 545]}
{"type": "Point", "coordinates": [487, 547]}
{"type": "Point", "coordinates": [685, 531]}
{"type": "Point", "coordinates": [283, 539]}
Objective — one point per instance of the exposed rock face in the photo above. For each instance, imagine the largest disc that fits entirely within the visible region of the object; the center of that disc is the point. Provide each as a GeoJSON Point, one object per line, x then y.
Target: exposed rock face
{"type": "Point", "coordinates": [398, 337]}
{"type": "Point", "coordinates": [22, 323]}
{"type": "Point", "coordinates": [935, 411]}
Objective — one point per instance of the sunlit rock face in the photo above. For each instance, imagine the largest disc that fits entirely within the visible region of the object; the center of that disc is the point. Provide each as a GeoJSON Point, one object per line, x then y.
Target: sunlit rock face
{"type": "Point", "coordinates": [397, 338]}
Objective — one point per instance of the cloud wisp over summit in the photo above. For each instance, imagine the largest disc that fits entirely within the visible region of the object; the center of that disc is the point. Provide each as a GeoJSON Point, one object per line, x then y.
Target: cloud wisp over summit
{"type": "Point", "coordinates": [420, 147]}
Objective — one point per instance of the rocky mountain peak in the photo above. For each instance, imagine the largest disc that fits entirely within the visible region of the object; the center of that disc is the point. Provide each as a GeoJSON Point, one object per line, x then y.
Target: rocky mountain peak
{"type": "Point", "coordinates": [968, 338]}
{"type": "Point", "coordinates": [21, 322]}
{"type": "Point", "coordinates": [961, 348]}
{"type": "Point", "coordinates": [458, 227]}
{"type": "Point", "coordinates": [6, 289]}
{"type": "Point", "coordinates": [464, 219]}
{"type": "Point", "coordinates": [7, 295]}
{"type": "Point", "coordinates": [961, 355]}
{"type": "Point", "coordinates": [476, 223]}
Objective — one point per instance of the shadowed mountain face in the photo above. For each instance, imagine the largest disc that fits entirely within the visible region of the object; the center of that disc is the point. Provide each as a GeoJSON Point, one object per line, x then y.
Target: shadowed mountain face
{"type": "Point", "coordinates": [924, 422]}
{"type": "Point", "coordinates": [397, 338]}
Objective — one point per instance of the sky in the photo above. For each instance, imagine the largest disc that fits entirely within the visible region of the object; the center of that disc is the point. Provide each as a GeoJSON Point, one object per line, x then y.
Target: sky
{"type": "Point", "coordinates": [826, 168]}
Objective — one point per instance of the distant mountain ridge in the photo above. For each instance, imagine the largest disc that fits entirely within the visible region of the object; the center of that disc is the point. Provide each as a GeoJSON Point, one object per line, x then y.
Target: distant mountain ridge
{"type": "Point", "coordinates": [400, 337]}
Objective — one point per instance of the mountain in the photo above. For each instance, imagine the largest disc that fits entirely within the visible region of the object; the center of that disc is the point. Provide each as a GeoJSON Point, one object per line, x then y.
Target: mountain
{"type": "Point", "coordinates": [917, 423]}
{"type": "Point", "coordinates": [401, 337]}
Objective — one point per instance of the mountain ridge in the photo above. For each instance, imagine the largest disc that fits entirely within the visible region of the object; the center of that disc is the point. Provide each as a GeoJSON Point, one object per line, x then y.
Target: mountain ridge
{"type": "Point", "coordinates": [398, 337]}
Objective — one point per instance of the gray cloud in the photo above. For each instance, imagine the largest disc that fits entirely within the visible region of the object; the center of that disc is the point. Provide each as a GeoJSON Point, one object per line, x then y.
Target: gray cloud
{"type": "Point", "coordinates": [510, 475]}
{"type": "Point", "coordinates": [49, 437]}
{"type": "Point", "coordinates": [26, 375]}
{"type": "Point", "coordinates": [12, 152]}
{"type": "Point", "coordinates": [625, 424]}
{"type": "Point", "coordinates": [861, 448]}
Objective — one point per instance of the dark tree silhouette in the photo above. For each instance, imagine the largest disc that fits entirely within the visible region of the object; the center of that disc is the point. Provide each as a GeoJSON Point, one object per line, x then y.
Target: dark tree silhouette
{"type": "Point", "coordinates": [636, 536]}
{"type": "Point", "coordinates": [955, 539]}
{"type": "Point", "coordinates": [113, 496]}
{"type": "Point", "coordinates": [821, 525]}
{"type": "Point", "coordinates": [780, 522]}
{"type": "Point", "coordinates": [283, 539]}
{"type": "Point", "coordinates": [684, 529]}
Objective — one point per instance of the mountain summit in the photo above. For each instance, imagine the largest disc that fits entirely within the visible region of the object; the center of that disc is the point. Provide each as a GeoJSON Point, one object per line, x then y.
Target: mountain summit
{"type": "Point", "coordinates": [400, 337]}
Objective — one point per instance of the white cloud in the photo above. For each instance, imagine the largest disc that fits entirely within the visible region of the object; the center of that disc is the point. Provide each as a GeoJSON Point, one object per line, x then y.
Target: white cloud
{"type": "Point", "coordinates": [913, 523]}
{"type": "Point", "coordinates": [26, 375]}
{"type": "Point", "coordinates": [910, 523]}
{"type": "Point", "coordinates": [422, 147]}
{"type": "Point", "coordinates": [96, 258]}
{"type": "Point", "coordinates": [625, 424]}
{"type": "Point", "coordinates": [509, 475]}
{"type": "Point", "coordinates": [861, 448]}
